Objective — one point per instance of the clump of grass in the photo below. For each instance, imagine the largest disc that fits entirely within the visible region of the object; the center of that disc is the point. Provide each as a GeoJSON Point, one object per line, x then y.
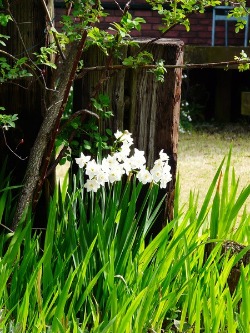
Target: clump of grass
{"type": "Point", "coordinates": [96, 273]}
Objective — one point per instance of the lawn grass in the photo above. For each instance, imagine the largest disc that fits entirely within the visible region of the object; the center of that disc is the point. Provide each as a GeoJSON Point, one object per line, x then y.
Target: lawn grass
{"type": "Point", "coordinates": [201, 151]}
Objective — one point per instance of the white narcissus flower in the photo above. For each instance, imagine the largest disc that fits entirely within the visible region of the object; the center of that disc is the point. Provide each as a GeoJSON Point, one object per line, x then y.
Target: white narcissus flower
{"type": "Point", "coordinates": [113, 167]}
{"type": "Point", "coordinates": [82, 160]}
{"type": "Point", "coordinates": [102, 177]}
{"type": "Point", "coordinates": [138, 160]}
{"type": "Point", "coordinates": [92, 169]}
{"type": "Point", "coordinates": [118, 134]}
{"type": "Point", "coordinates": [127, 138]}
{"type": "Point", "coordinates": [156, 173]}
{"type": "Point", "coordinates": [123, 153]}
{"type": "Point", "coordinates": [158, 163]}
{"type": "Point", "coordinates": [109, 162]}
{"type": "Point", "coordinates": [166, 178]}
{"type": "Point", "coordinates": [166, 169]}
{"type": "Point", "coordinates": [116, 174]}
{"type": "Point", "coordinates": [127, 166]}
{"type": "Point", "coordinates": [144, 176]}
{"type": "Point", "coordinates": [163, 156]}
{"type": "Point", "coordinates": [92, 185]}
{"type": "Point", "coordinates": [124, 137]}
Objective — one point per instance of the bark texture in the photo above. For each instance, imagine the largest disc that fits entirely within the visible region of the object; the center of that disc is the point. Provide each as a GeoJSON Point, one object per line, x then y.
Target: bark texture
{"type": "Point", "coordinates": [57, 100]}
{"type": "Point", "coordinates": [147, 108]}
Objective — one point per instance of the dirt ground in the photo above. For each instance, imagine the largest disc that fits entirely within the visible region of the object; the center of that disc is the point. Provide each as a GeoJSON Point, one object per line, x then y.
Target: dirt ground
{"type": "Point", "coordinates": [201, 152]}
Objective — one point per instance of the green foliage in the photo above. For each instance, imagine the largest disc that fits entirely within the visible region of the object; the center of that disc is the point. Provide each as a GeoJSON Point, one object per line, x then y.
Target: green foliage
{"type": "Point", "coordinates": [102, 104]}
{"type": "Point", "coordinates": [3, 37]}
{"type": "Point", "coordinates": [63, 40]}
{"type": "Point", "coordinates": [12, 72]}
{"type": "Point", "coordinates": [88, 132]}
{"type": "Point", "coordinates": [44, 56]}
{"type": "Point", "coordinates": [102, 39]}
{"type": "Point", "coordinates": [159, 71]}
{"type": "Point", "coordinates": [127, 24]}
{"type": "Point", "coordinates": [84, 16]}
{"type": "Point", "coordinates": [97, 273]}
{"type": "Point", "coordinates": [142, 58]}
{"type": "Point", "coordinates": [7, 121]}
{"type": "Point", "coordinates": [4, 19]}
{"type": "Point", "coordinates": [177, 11]}
{"type": "Point", "coordinates": [243, 57]}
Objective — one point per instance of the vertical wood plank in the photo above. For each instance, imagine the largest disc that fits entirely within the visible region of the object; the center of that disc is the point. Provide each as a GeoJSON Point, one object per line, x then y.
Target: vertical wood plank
{"type": "Point", "coordinates": [147, 108]}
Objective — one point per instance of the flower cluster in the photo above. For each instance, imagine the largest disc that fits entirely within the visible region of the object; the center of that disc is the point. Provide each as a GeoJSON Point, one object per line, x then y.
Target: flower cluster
{"type": "Point", "coordinates": [114, 166]}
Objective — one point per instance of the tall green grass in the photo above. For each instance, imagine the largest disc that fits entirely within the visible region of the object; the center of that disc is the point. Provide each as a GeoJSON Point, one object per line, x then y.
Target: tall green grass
{"type": "Point", "coordinates": [94, 271]}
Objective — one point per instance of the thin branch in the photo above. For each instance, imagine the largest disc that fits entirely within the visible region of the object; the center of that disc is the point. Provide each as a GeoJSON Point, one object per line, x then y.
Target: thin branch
{"type": "Point", "coordinates": [147, 67]}
{"type": "Point", "coordinates": [53, 32]}
{"type": "Point", "coordinates": [5, 141]}
{"type": "Point", "coordinates": [126, 7]}
{"type": "Point", "coordinates": [119, 7]}
{"type": "Point", "coordinates": [19, 33]}
{"type": "Point", "coordinates": [5, 227]}
{"type": "Point", "coordinates": [69, 9]}
{"type": "Point", "coordinates": [77, 114]}
{"type": "Point", "coordinates": [42, 84]}
{"type": "Point", "coordinates": [18, 30]}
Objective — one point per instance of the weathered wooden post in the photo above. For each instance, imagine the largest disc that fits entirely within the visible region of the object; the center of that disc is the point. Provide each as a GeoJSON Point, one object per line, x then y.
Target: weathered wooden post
{"type": "Point", "coordinates": [155, 108]}
{"type": "Point", "coordinates": [147, 108]}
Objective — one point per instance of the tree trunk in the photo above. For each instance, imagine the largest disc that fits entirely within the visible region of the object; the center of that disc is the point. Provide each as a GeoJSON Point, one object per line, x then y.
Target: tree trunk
{"type": "Point", "coordinates": [57, 102]}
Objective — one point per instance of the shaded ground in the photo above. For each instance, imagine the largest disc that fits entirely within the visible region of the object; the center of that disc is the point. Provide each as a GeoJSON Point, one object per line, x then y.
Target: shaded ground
{"type": "Point", "coordinates": [201, 151]}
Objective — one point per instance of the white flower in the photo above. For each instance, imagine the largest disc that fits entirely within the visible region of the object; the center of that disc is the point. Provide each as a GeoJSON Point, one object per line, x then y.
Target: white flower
{"type": "Point", "coordinates": [163, 156]}
{"type": "Point", "coordinates": [138, 160]}
{"type": "Point", "coordinates": [124, 137]}
{"type": "Point", "coordinates": [166, 178]}
{"type": "Point", "coordinates": [92, 169]}
{"type": "Point", "coordinates": [82, 160]}
{"type": "Point", "coordinates": [123, 153]}
{"type": "Point", "coordinates": [118, 134]}
{"type": "Point", "coordinates": [109, 162]}
{"type": "Point", "coordinates": [102, 177]}
{"type": "Point", "coordinates": [127, 137]}
{"type": "Point", "coordinates": [144, 176]}
{"type": "Point", "coordinates": [113, 167]}
{"type": "Point", "coordinates": [156, 173]}
{"type": "Point", "coordinates": [116, 174]}
{"type": "Point", "coordinates": [166, 169]}
{"type": "Point", "coordinates": [127, 166]}
{"type": "Point", "coordinates": [92, 185]}
{"type": "Point", "coordinates": [158, 163]}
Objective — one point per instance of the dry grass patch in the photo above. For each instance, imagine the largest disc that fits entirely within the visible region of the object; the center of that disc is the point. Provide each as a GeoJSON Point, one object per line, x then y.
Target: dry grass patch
{"type": "Point", "coordinates": [201, 151]}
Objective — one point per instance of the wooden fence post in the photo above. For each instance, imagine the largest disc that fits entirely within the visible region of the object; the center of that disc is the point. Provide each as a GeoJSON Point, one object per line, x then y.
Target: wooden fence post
{"type": "Point", "coordinates": [147, 108]}
{"type": "Point", "coordinates": [155, 108]}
